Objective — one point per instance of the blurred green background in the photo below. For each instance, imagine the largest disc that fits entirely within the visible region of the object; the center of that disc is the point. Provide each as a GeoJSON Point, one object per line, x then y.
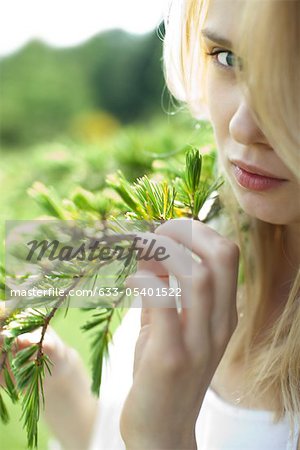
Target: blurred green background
{"type": "Point", "coordinates": [68, 118]}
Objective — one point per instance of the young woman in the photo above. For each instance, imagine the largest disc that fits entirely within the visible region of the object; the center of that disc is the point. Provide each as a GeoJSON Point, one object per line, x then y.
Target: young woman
{"type": "Point", "coordinates": [236, 59]}
{"type": "Point", "coordinates": [225, 372]}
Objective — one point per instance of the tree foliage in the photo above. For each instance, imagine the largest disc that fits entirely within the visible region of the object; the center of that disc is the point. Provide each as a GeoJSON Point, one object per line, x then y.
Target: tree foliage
{"type": "Point", "coordinates": [45, 90]}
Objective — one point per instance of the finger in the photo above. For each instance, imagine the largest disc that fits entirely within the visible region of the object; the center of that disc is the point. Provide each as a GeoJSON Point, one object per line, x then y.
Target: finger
{"type": "Point", "coordinates": [27, 339]}
{"type": "Point", "coordinates": [165, 322]}
{"type": "Point", "coordinates": [217, 253]}
{"type": "Point", "coordinates": [52, 344]}
{"type": "Point", "coordinates": [197, 292]}
{"type": "Point", "coordinates": [145, 313]}
{"type": "Point", "coordinates": [154, 266]}
{"type": "Point", "coordinates": [160, 271]}
{"type": "Point", "coordinates": [198, 318]}
{"type": "Point", "coordinates": [176, 261]}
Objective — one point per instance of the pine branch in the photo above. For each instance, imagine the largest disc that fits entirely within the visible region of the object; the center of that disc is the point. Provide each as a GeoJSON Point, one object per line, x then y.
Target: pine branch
{"type": "Point", "coordinates": [4, 355]}
{"type": "Point", "coordinates": [100, 324]}
{"type": "Point", "coordinates": [180, 194]}
{"type": "Point", "coordinates": [50, 316]}
{"type": "Point", "coordinates": [30, 378]}
{"type": "Point", "coordinates": [11, 388]}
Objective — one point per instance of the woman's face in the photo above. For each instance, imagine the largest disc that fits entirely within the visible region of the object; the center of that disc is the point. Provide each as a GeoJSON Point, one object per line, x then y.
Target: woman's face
{"type": "Point", "coordinates": [244, 150]}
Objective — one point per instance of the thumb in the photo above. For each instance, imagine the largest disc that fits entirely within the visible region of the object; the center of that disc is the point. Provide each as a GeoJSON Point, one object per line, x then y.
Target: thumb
{"type": "Point", "coordinates": [27, 339]}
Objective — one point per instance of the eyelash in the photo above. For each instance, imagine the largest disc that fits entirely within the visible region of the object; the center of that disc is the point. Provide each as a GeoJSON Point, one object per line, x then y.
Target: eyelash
{"type": "Point", "coordinates": [214, 53]}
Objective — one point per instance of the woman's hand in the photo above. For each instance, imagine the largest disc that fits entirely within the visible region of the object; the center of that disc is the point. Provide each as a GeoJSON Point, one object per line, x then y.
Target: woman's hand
{"type": "Point", "coordinates": [176, 354]}
{"type": "Point", "coordinates": [59, 354]}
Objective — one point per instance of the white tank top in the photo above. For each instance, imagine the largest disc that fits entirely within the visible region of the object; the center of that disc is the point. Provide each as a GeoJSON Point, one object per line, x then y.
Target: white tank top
{"type": "Point", "coordinates": [220, 425]}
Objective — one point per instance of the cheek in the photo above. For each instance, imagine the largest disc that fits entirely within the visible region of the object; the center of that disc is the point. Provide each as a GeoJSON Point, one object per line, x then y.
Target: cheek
{"type": "Point", "coordinates": [222, 103]}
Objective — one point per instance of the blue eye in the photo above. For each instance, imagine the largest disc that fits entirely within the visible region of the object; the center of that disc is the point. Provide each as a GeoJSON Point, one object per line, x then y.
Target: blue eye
{"type": "Point", "coordinates": [225, 58]}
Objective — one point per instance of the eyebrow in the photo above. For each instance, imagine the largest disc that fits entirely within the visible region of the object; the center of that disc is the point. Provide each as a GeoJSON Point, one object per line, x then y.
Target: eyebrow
{"type": "Point", "coordinates": [215, 37]}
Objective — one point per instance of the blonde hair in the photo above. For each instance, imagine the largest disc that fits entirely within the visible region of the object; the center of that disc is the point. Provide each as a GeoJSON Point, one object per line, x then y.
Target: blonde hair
{"type": "Point", "coordinates": [272, 81]}
{"type": "Point", "coordinates": [272, 76]}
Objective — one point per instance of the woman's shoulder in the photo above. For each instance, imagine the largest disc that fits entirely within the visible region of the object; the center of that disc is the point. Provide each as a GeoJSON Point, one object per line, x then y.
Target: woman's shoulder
{"type": "Point", "coordinates": [239, 426]}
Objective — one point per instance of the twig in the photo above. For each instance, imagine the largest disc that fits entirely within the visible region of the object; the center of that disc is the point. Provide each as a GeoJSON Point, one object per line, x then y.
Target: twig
{"type": "Point", "coordinates": [50, 316]}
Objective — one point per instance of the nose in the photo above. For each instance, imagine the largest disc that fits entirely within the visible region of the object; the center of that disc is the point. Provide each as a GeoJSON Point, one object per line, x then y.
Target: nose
{"type": "Point", "coordinates": [243, 128]}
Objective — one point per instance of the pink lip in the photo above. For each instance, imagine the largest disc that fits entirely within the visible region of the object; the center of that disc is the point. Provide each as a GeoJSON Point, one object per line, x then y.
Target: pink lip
{"type": "Point", "coordinates": [255, 170]}
{"type": "Point", "coordinates": [255, 181]}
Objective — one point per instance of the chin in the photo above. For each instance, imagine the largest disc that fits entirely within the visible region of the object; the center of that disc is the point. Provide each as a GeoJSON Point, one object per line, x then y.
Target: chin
{"type": "Point", "coordinates": [262, 208]}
